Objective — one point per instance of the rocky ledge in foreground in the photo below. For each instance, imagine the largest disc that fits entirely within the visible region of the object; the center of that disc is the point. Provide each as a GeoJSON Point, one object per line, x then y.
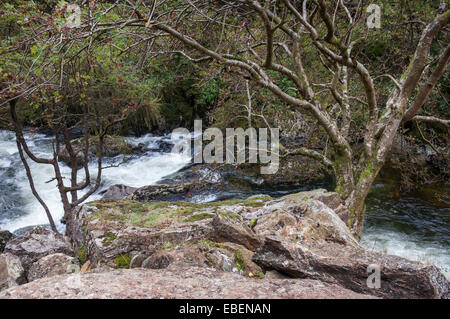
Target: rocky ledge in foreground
{"type": "Point", "coordinates": [174, 282]}
{"type": "Point", "coordinates": [239, 248]}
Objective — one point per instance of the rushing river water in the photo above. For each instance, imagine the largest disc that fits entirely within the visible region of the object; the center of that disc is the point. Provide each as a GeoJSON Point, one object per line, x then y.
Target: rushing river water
{"type": "Point", "coordinates": [408, 227]}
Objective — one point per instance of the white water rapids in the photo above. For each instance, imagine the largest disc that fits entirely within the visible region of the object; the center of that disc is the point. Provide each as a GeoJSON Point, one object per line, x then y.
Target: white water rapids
{"type": "Point", "coordinates": [19, 208]}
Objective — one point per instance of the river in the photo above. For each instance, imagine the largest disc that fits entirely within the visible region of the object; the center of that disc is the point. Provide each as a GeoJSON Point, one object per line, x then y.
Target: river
{"type": "Point", "coordinates": [407, 227]}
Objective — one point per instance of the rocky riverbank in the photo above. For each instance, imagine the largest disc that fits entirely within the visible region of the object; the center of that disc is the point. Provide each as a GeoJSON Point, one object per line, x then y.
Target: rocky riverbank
{"type": "Point", "coordinates": [297, 246]}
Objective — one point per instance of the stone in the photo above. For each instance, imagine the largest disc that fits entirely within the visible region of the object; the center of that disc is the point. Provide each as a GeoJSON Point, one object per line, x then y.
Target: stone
{"type": "Point", "coordinates": [296, 235]}
{"type": "Point", "coordinates": [242, 260]}
{"type": "Point", "coordinates": [5, 236]}
{"type": "Point", "coordinates": [184, 282]}
{"type": "Point", "coordinates": [137, 260]}
{"type": "Point", "coordinates": [87, 266]}
{"type": "Point", "coordinates": [11, 271]}
{"type": "Point", "coordinates": [230, 227]}
{"type": "Point", "coordinates": [330, 199]}
{"type": "Point", "coordinates": [118, 191]}
{"type": "Point", "coordinates": [38, 243]}
{"type": "Point", "coordinates": [162, 192]}
{"type": "Point", "coordinates": [51, 265]}
{"type": "Point", "coordinates": [348, 266]}
{"type": "Point", "coordinates": [304, 220]}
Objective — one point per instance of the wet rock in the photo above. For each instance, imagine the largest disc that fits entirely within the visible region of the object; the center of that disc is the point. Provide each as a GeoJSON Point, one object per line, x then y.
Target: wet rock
{"type": "Point", "coordinates": [174, 282]}
{"type": "Point", "coordinates": [348, 266]}
{"type": "Point", "coordinates": [11, 271]}
{"type": "Point", "coordinates": [163, 192]}
{"type": "Point", "coordinates": [37, 243]}
{"type": "Point", "coordinates": [112, 146]}
{"type": "Point", "coordinates": [118, 191]}
{"type": "Point", "coordinates": [5, 236]}
{"type": "Point", "coordinates": [52, 265]}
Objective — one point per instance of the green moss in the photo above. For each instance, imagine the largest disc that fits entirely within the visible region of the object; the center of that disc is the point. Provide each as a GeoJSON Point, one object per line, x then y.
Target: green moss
{"type": "Point", "coordinates": [230, 215]}
{"type": "Point", "coordinates": [210, 243]}
{"type": "Point", "coordinates": [208, 258]}
{"type": "Point", "coordinates": [239, 260]}
{"type": "Point", "coordinates": [122, 261]}
{"type": "Point", "coordinates": [124, 212]}
{"type": "Point", "coordinates": [168, 246]}
{"type": "Point", "coordinates": [260, 275]}
{"type": "Point", "coordinates": [197, 217]}
{"type": "Point", "coordinates": [108, 238]}
{"type": "Point", "coordinates": [82, 254]}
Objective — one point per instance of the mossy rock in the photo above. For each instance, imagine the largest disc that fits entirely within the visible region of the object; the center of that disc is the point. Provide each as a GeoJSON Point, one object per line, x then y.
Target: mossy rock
{"type": "Point", "coordinates": [122, 261]}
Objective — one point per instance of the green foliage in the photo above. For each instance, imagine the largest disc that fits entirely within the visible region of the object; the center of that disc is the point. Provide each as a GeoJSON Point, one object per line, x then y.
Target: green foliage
{"type": "Point", "coordinates": [82, 254]}
{"type": "Point", "coordinates": [122, 261]}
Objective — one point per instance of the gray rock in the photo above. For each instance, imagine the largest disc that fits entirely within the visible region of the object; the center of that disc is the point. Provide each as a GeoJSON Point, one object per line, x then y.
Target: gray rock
{"type": "Point", "coordinates": [137, 260]}
{"type": "Point", "coordinates": [297, 235]}
{"type": "Point", "coordinates": [11, 271]}
{"type": "Point", "coordinates": [174, 282]}
{"type": "Point", "coordinates": [37, 243]}
{"type": "Point", "coordinates": [348, 266]}
{"type": "Point", "coordinates": [231, 228]}
{"type": "Point", "coordinates": [158, 260]}
{"type": "Point", "coordinates": [5, 236]}
{"type": "Point", "coordinates": [118, 191]}
{"type": "Point", "coordinates": [52, 265]}
{"type": "Point", "coordinates": [163, 192]}
{"type": "Point", "coordinates": [23, 230]}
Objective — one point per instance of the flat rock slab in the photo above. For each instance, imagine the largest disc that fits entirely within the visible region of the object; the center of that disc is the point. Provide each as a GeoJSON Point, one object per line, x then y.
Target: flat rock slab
{"type": "Point", "coordinates": [174, 282]}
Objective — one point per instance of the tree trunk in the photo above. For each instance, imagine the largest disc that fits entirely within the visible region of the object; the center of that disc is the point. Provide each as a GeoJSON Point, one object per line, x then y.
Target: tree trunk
{"type": "Point", "coordinates": [354, 193]}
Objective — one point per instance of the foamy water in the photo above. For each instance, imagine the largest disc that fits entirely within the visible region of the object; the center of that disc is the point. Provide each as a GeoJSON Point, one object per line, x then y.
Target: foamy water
{"type": "Point", "coordinates": [18, 206]}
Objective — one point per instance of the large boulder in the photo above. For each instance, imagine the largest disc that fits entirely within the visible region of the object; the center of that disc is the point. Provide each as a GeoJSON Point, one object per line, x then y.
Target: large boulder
{"type": "Point", "coordinates": [300, 218]}
{"type": "Point", "coordinates": [184, 282]}
{"type": "Point", "coordinates": [348, 266]}
{"type": "Point", "coordinates": [11, 271]}
{"type": "Point", "coordinates": [52, 265]}
{"type": "Point", "coordinates": [112, 146]}
{"type": "Point", "coordinates": [5, 236]}
{"type": "Point", "coordinates": [37, 243]}
{"type": "Point", "coordinates": [225, 257]}
{"type": "Point", "coordinates": [114, 231]}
